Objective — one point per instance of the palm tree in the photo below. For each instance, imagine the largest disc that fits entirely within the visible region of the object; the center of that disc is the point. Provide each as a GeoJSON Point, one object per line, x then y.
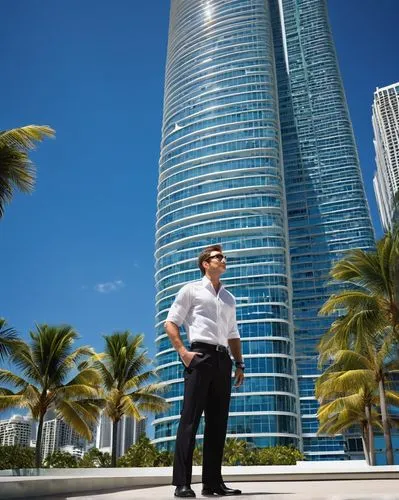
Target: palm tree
{"type": "Point", "coordinates": [128, 388]}
{"type": "Point", "coordinates": [16, 169]}
{"type": "Point", "coordinates": [48, 381]}
{"type": "Point", "coordinates": [371, 312]}
{"type": "Point", "coordinates": [363, 372]}
{"type": "Point", "coordinates": [340, 411]}
{"type": "Point", "coordinates": [8, 336]}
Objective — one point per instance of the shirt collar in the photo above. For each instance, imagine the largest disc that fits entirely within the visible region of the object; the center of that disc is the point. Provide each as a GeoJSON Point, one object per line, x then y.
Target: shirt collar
{"type": "Point", "coordinates": [207, 283]}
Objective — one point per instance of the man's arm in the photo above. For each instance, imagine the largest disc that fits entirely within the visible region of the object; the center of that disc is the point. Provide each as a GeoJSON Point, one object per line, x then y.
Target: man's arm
{"type": "Point", "coordinates": [174, 335]}
{"type": "Point", "coordinates": [235, 348]}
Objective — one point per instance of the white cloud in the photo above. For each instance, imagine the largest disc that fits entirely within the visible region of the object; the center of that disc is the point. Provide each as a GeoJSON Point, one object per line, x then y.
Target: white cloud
{"type": "Point", "coordinates": [110, 286]}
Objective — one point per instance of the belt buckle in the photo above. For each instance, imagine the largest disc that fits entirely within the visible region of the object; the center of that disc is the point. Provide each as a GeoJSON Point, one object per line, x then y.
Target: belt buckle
{"type": "Point", "coordinates": [220, 348]}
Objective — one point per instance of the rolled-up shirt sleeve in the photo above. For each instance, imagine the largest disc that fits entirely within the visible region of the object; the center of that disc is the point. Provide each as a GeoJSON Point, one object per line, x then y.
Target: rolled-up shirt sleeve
{"type": "Point", "coordinates": [180, 307]}
{"type": "Point", "coordinates": [233, 330]}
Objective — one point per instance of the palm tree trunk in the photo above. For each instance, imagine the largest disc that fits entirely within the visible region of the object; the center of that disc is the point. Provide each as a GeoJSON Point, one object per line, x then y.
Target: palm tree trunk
{"type": "Point", "coordinates": [38, 451]}
{"type": "Point", "coordinates": [114, 441]}
{"type": "Point", "coordinates": [385, 423]}
{"type": "Point", "coordinates": [365, 443]}
{"type": "Point", "coordinates": [370, 435]}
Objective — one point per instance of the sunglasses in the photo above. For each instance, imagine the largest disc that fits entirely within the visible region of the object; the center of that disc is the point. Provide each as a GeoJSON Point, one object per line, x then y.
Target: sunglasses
{"type": "Point", "coordinates": [218, 256]}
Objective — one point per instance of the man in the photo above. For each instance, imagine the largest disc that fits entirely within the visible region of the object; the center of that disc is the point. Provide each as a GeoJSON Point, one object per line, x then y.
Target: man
{"type": "Point", "coordinates": [208, 313]}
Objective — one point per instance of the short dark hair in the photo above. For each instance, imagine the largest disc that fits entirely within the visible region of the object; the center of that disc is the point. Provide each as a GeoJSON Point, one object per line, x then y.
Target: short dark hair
{"type": "Point", "coordinates": [205, 254]}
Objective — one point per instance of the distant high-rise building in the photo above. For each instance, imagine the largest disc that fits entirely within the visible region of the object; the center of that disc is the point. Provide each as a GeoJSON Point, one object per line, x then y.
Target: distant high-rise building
{"type": "Point", "coordinates": [17, 430]}
{"type": "Point", "coordinates": [57, 434]}
{"type": "Point", "coordinates": [76, 451]}
{"type": "Point", "coordinates": [257, 154]}
{"type": "Point", "coordinates": [386, 142]}
{"type": "Point", "coordinates": [129, 431]}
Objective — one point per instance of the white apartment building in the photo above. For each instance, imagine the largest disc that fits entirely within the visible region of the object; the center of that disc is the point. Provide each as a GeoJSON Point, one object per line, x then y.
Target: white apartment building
{"type": "Point", "coordinates": [386, 142]}
{"type": "Point", "coordinates": [129, 431]}
{"type": "Point", "coordinates": [17, 430]}
{"type": "Point", "coordinates": [57, 434]}
{"type": "Point", "coordinates": [75, 451]}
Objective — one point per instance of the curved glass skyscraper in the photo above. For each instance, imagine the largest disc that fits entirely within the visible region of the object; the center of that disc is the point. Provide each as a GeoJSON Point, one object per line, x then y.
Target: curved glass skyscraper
{"type": "Point", "coordinates": [221, 181]}
{"type": "Point", "coordinates": [256, 142]}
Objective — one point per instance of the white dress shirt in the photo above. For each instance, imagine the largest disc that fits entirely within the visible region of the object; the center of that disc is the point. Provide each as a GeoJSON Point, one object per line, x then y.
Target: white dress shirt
{"type": "Point", "coordinates": [207, 316]}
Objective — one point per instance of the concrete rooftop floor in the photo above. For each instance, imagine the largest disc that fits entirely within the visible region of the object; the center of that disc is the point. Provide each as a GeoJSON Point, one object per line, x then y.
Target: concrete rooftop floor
{"type": "Point", "coordinates": [372, 489]}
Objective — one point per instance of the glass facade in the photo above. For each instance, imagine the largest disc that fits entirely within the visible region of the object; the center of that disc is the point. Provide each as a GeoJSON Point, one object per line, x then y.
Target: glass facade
{"type": "Point", "coordinates": [326, 204]}
{"type": "Point", "coordinates": [256, 142]}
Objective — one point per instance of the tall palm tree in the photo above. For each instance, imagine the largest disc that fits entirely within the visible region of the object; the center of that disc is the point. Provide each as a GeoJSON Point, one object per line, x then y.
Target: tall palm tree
{"type": "Point", "coordinates": [48, 380]}
{"type": "Point", "coordinates": [369, 311]}
{"type": "Point", "coordinates": [16, 169]}
{"type": "Point", "coordinates": [363, 373]}
{"type": "Point", "coordinates": [128, 387]}
{"type": "Point", "coordinates": [8, 336]}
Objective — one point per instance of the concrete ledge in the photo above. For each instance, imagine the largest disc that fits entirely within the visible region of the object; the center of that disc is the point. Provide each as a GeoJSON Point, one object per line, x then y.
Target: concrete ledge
{"type": "Point", "coordinates": [52, 482]}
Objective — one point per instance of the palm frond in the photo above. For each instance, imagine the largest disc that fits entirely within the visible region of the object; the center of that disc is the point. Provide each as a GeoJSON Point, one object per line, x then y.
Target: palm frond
{"type": "Point", "coordinates": [9, 401]}
{"type": "Point", "coordinates": [362, 269]}
{"type": "Point", "coordinates": [25, 138]}
{"type": "Point", "coordinates": [140, 379]}
{"type": "Point", "coordinates": [8, 338]}
{"type": "Point", "coordinates": [89, 376]}
{"type": "Point", "coordinates": [148, 398]}
{"type": "Point", "coordinates": [5, 391]}
{"type": "Point", "coordinates": [22, 358]}
{"type": "Point", "coordinates": [11, 378]}
{"type": "Point", "coordinates": [106, 376]}
{"type": "Point", "coordinates": [75, 417]}
{"type": "Point", "coordinates": [346, 359]}
{"type": "Point", "coordinates": [128, 407]}
{"type": "Point", "coordinates": [76, 391]}
{"type": "Point", "coordinates": [392, 397]}
{"type": "Point", "coordinates": [74, 360]}
{"type": "Point", "coordinates": [347, 382]}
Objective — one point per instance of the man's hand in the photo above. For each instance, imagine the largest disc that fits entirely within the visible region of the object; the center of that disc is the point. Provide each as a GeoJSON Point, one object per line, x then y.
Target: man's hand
{"type": "Point", "coordinates": [239, 377]}
{"type": "Point", "coordinates": [187, 356]}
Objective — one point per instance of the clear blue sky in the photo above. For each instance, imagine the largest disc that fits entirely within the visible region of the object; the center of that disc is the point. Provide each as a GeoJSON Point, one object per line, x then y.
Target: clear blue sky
{"type": "Point", "coordinates": [80, 249]}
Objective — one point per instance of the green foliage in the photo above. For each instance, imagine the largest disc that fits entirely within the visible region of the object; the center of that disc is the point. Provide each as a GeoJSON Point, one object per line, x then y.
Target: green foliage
{"type": "Point", "coordinates": [17, 172]}
{"type": "Point", "coordinates": [61, 460]}
{"type": "Point", "coordinates": [141, 454]}
{"type": "Point", "coordinates": [197, 455]}
{"type": "Point", "coordinates": [16, 457]}
{"type": "Point", "coordinates": [240, 452]}
{"type": "Point", "coordinates": [8, 337]}
{"type": "Point", "coordinates": [236, 452]}
{"type": "Point", "coordinates": [95, 458]}
{"type": "Point", "coordinates": [275, 455]}
{"type": "Point", "coordinates": [163, 459]}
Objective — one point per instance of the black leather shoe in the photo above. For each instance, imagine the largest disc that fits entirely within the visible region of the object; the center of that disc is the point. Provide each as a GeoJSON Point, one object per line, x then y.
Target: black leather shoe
{"type": "Point", "coordinates": [184, 492]}
{"type": "Point", "coordinates": [220, 489]}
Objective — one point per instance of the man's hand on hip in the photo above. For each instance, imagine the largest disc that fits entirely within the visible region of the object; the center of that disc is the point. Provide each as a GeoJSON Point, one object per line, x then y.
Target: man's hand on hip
{"type": "Point", "coordinates": [239, 377]}
{"type": "Point", "coordinates": [187, 356]}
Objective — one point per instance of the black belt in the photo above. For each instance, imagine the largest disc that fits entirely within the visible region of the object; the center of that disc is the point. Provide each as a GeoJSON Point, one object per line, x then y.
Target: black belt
{"type": "Point", "coordinates": [210, 347]}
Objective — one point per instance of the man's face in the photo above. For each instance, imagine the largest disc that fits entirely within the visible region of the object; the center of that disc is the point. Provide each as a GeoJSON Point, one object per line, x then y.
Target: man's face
{"type": "Point", "coordinates": [216, 264]}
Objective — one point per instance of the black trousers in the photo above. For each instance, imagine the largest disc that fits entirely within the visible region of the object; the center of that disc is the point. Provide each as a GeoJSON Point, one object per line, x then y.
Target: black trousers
{"type": "Point", "coordinates": [207, 388]}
